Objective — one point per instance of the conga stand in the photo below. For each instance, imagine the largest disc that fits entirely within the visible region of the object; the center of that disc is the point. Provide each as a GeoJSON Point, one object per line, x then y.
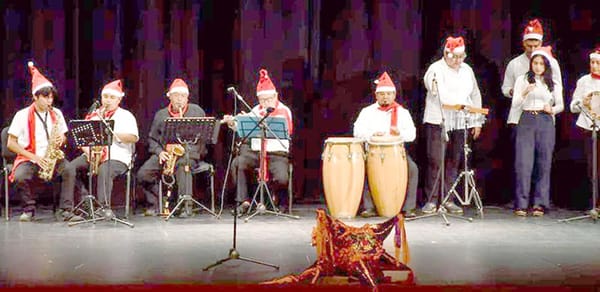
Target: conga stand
{"type": "Point", "coordinates": [467, 174]}
{"type": "Point", "coordinates": [441, 210]}
{"type": "Point", "coordinates": [188, 131]}
{"type": "Point", "coordinates": [89, 133]}
{"type": "Point", "coordinates": [593, 213]}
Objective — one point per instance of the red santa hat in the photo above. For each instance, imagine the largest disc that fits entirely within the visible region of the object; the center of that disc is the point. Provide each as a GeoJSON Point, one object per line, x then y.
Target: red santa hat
{"type": "Point", "coordinates": [533, 30]}
{"type": "Point", "coordinates": [543, 51]}
{"type": "Point", "coordinates": [38, 81]}
{"type": "Point", "coordinates": [385, 84]}
{"type": "Point", "coordinates": [454, 45]}
{"type": "Point", "coordinates": [114, 88]}
{"type": "Point", "coordinates": [178, 86]}
{"type": "Point", "coordinates": [595, 55]}
{"type": "Point", "coordinates": [265, 85]}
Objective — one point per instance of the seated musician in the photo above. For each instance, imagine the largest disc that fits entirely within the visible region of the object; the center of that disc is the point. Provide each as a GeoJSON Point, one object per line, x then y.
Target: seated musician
{"type": "Point", "coordinates": [248, 158]}
{"type": "Point", "coordinates": [35, 133]}
{"type": "Point", "coordinates": [122, 147]}
{"type": "Point", "coordinates": [152, 170]}
{"type": "Point", "coordinates": [386, 117]}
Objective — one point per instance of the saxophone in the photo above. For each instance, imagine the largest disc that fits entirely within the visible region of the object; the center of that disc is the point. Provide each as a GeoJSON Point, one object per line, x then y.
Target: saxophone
{"type": "Point", "coordinates": [175, 151]}
{"type": "Point", "coordinates": [95, 158]}
{"type": "Point", "coordinates": [53, 154]}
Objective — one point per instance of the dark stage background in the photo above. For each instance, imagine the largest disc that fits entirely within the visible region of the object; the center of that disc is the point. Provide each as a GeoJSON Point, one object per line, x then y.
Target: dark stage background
{"type": "Point", "coordinates": [321, 54]}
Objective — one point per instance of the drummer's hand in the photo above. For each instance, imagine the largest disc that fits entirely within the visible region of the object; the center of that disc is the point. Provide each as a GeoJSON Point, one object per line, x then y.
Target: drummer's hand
{"type": "Point", "coordinates": [548, 109]}
{"type": "Point", "coordinates": [475, 132]}
{"type": "Point", "coordinates": [394, 131]}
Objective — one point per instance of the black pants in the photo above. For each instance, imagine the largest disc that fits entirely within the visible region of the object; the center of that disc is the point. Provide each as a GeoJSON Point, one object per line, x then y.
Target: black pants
{"type": "Point", "coordinates": [104, 179]}
{"type": "Point", "coordinates": [437, 149]}
{"type": "Point", "coordinates": [246, 162]}
{"type": "Point", "coordinates": [151, 172]}
{"type": "Point", "coordinates": [27, 173]}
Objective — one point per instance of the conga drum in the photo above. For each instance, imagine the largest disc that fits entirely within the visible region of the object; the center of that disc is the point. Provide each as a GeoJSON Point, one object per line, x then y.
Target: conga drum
{"type": "Point", "coordinates": [343, 175]}
{"type": "Point", "coordinates": [387, 172]}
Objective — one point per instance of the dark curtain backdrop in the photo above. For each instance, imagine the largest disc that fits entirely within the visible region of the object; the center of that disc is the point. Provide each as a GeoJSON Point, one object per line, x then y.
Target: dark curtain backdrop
{"type": "Point", "coordinates": [322, 56]}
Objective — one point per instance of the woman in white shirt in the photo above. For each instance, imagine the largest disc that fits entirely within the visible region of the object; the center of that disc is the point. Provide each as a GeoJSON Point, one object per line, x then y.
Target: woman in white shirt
{"type": "Point", "coordinates": [588, 87]}
{"type": "Point", "coordinates": [537, 100]}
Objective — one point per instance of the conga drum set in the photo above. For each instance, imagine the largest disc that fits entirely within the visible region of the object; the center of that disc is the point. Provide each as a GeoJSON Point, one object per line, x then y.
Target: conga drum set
{"type": "Point", "coordinates": [344, 161]}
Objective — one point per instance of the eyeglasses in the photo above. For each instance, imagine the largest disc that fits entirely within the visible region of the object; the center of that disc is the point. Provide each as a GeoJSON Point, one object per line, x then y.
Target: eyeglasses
{"type": "Point", "coordinates": [458, 57]}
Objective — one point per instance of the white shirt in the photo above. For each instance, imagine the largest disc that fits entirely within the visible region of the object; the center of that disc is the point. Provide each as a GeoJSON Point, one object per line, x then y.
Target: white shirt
{"type": "Point", "coordinates": [536, 99]}
{"type": "Point", "coordinates": [585, 85]}
{"type": "Point", "coordinates": [20, 129]}
{"type": "Point", "coordinates": [272, 144]}
{"type": "Point", "coordinates": [125, 123]}
{"type": "Point", "coordinates": [372, 120]}
{"type": "Point", "coordinates": [519, 66]}
{"type": "Point", "coordinates": [454, 87]}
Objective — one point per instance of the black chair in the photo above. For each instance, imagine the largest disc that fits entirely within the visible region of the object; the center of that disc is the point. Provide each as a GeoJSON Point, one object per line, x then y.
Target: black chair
{"type": "Point", "coordinates": [7, 158]}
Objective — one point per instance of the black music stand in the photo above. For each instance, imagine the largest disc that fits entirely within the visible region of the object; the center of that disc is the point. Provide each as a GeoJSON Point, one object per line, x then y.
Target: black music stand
{"type": "Point", "coordinates": [188, 131]}
{"type": "Point", "coordinates": [90, 133]}
{"type": "Point", "coordinates": [248, 128]}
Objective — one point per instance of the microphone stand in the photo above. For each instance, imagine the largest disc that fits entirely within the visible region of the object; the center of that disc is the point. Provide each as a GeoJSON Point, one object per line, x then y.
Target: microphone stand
{"type": "Point", "coordinates": [233, 253]}
{"type": "Point", "coordinates": [441, 210]}
{"type": "Point", "coordinates": [593, 213]}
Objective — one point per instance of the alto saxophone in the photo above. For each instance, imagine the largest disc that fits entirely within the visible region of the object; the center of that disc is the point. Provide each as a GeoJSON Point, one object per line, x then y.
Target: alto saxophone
{"type": "Point", "coordinates": [95, 158]}
{"type": "Point", "coordinates": [53, 154]}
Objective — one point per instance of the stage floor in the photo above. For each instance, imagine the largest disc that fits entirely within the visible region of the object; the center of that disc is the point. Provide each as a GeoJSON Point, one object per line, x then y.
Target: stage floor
{"type": "Point", "coordinates": [500, 249]}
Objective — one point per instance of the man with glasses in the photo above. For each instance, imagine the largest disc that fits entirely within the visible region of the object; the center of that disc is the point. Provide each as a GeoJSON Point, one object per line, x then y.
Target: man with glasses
{"type": "Point", "coordinates": [247, 160]}
{"type": "Point", "coordinates": [449, 81]}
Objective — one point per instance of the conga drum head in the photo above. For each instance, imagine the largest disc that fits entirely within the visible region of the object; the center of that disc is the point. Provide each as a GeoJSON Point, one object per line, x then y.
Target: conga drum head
{"type": "Point", "coordinates": [385, 140]}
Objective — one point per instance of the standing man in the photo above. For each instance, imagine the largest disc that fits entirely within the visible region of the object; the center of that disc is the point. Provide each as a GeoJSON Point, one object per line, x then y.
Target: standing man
{"type": "Point", "coordinates": [386, 117]}
{"type": "Point", "coordinates": [278, 160]}
{"type": "Point", "coordinates": [151, 170]}
{"type": "Point", "coordinates": [449, 81]}
{"type": "Point", "coordinates": [533, 35]}
{"type": "Point", "coordinates": [123, 142]}
{"type": "Point", "coordinates": [37, 134]}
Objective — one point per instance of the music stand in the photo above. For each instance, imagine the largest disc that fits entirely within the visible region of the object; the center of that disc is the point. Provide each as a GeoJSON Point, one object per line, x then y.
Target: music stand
{"type": "Point", "coordinates": [277, 129]}
{"type": "Point", "coordinates": [188, 131]}
{"type": "Point", "coordinates": [90, 133]}
{"type": "Point", "coordinates": [593, 213]}
{"type": "Point", "coordinates": [470, 189]}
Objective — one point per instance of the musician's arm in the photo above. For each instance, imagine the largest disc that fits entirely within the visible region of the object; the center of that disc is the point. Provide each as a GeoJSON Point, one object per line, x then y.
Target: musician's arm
{"type": "Point", "coordinates": [509, 81]}
{"type": "Point", "coordinates": [406, 126]}
{"type": "Point", "coordinates": [577, 97]}
{"type": "Point", "coordinates": [475, 93]}
{"type": "Point", "coordinates": [14, 146]}
{"type": "Point", "coordinates": [126, 130]}
{"type": "Point", "coordinates": [559, 104]}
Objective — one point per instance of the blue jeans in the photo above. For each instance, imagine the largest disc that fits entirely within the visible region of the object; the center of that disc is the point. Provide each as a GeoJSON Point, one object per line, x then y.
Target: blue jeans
{"type": "Point", "coordinates": [534, 144]}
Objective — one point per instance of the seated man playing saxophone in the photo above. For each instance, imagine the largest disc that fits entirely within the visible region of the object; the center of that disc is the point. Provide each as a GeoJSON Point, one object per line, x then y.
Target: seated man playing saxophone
{"type": "Point", "coordinates": [37, 134]}
{"type": "Point", "coordinates": [121, 150]}
{"type": "Point", "coordinates": [166, 162]}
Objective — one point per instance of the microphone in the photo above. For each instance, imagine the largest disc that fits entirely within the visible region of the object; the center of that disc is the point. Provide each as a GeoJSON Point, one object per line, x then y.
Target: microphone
{"type": "Point", "coordinates": [94, 107]}
{"type": "Point", "coordinates": [232, 90]}
{"type": "Point", "coordinates": [270, 110]}
{"type": "Point", "coordinates": [577, 104]}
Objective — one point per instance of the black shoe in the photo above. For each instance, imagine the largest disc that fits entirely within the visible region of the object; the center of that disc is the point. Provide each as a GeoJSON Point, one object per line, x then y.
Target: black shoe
{"type": "Point", "coordinates": [368, 213]}
{"type": "Point", "coordinates": [67, 215]}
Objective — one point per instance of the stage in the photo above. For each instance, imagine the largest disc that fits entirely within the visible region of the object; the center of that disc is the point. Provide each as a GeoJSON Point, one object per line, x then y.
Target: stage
{"type": "Point", "coordinates": [499, 250]}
